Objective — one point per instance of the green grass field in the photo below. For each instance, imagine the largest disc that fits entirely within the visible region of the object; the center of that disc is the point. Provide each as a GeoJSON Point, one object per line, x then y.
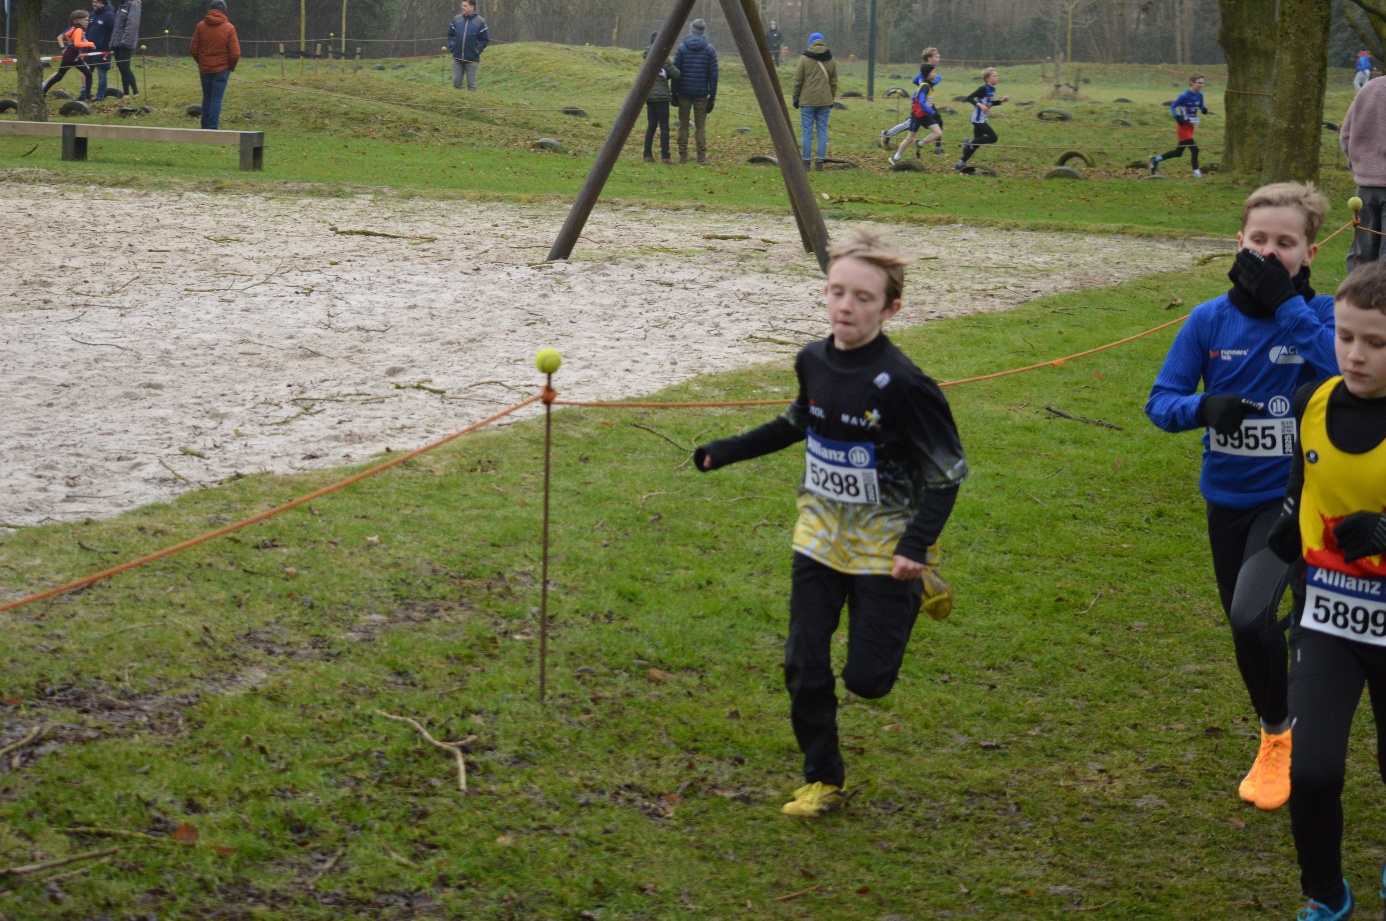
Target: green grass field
{"type": "Point", "coordinates": [1068, 741]}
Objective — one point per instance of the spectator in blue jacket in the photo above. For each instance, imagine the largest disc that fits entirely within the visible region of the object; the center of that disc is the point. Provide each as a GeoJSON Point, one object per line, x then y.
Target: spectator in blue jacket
{"type": "Point", "coordinates": [467, 38]}
{"type": "Point", "coordinates": [696, 62]}
{"type": "Point", "coordinates": [99, 33]}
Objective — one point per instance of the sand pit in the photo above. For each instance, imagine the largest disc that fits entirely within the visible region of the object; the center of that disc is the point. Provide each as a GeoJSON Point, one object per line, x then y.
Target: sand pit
{"type": "Point", "coordinates": [154, 341]}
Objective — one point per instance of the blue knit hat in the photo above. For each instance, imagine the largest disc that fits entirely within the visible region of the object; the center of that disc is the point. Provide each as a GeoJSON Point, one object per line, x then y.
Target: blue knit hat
{"type": "Point", "coordinates": [816, 37]}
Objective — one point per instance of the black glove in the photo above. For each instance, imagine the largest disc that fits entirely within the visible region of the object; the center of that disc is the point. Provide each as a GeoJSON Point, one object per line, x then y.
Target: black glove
{"type": "Point", "coordinates": [796, 102]}
{"type": "Point", "coordinates": [710, 105]}
{"type": "Point", "coordinates": [1264, 278]}
{"type": "Point", "coordinates": [1283, 538]}
{"type": "Point", "coordinates": [1203, 110]}
{"type": "Point", "coordinates": [1361, 534]}
{"type": "Point", "coordinates": [1302, 288]}
{"type": "Point", "coordinates": [1180, 120]}
{"type": "Point", "coordinates": [1225, 412]}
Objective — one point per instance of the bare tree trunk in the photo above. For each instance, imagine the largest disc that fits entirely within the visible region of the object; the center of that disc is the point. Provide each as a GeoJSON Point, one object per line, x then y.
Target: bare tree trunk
{"type": "Point", "coordinates": [1370, 25]}
{"type": "Point", "coordinates": [1301, 75]}
{"type": "Point", "coordinates": [31, 105]}
{"type": "Point", "coordinates": [1248, 39]}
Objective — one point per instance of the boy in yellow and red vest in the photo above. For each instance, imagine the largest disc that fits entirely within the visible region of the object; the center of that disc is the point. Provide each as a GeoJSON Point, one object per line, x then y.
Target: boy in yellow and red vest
{"type": "Point", "coordinates": [1335, 514]}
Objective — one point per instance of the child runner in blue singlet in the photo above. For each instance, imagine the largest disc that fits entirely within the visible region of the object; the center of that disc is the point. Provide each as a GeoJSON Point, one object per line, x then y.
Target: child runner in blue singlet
{"type": "Point", "coordinates": [983, 98]}
{"type": "Point", "coordinates": [1252, 348]}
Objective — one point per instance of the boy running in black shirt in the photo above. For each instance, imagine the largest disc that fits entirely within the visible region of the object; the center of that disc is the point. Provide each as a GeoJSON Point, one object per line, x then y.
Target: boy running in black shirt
{"type": "Point", "coordinates": [883, 465]}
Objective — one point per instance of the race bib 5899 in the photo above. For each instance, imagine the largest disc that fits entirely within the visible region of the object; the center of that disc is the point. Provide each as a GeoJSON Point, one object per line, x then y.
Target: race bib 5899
{"type": "Point", "coordinates": [1351, 607]}
{"type": "Point", "coordinates": [844, 471]}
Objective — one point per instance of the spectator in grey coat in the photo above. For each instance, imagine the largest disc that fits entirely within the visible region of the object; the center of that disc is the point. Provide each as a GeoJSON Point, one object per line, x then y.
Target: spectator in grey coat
{"type": "Point", "coordinates": [123, 43]}
{"type": "Point", "coordinates": [775, 39]}
{"type": "Point", "coordinates": [1363, 139]}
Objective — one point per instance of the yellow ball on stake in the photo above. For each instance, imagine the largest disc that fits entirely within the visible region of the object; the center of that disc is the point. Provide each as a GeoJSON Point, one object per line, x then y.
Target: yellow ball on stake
{"type": "Point", "coordinates": [548, 360]}
{"type": "Point", "coordinates": [1355, 204]}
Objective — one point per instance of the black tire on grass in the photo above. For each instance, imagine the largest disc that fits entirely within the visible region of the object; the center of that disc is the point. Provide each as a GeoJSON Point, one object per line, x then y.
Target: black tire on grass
{"type": "Point", "coordinates": [194, 110]}
{"type": "Point", "coordinates": [1054, 115]}
{"type": "Point", "coordinates": [8, 105]}
{"type": "Point", "coordinates": [1075, 155]}
{"type": "Point", "coordinates": [75, 107]}
{"type": "Point", "coordinates": [1064, 172]}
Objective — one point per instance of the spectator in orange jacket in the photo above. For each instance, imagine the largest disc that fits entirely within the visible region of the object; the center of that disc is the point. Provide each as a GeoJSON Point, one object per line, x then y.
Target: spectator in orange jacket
{"type": "Point", "coordinates": [216, 50]}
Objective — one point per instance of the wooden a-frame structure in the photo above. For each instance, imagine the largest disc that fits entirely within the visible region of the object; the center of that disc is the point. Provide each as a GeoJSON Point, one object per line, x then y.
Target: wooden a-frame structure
{"type": "Point", "coordinates": [744, 21]}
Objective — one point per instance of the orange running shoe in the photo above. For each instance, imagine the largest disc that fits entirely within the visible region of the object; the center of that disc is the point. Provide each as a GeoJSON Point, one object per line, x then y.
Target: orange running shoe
{"type": "Point", "coordinates": [1247, 788]}
{"type": "Point", "coordinates": [1273, 784]}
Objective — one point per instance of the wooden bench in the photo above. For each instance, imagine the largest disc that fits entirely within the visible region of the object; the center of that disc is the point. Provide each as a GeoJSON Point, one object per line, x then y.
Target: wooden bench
{"type": "Point", "coordinates": [75, 137]}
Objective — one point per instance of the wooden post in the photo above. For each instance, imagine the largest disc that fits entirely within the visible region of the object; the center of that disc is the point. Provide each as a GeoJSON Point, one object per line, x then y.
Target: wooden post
{"type": "Point", "coordinates": [771, 107]}
{"type": "Point", "coordinates": [753, 17]}
{"type": "Point", "coordinates": [282, 74]}
{"type": "Point", "coordinates": [620, 131]}
{"type": "Point", "coordinates": [317, 53]}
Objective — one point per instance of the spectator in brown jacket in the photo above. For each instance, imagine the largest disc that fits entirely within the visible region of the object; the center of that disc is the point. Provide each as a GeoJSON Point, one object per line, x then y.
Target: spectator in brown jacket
{"type": "Point", "coordinates": [216, 50]}
{"type": "Point", "coordinates": [1363, 139]}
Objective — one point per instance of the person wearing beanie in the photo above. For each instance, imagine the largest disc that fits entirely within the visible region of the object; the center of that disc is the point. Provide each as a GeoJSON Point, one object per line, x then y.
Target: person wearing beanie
{"type": "Point", "coordinates": [775, 39]}
{"type": "Point", "coordinates": [1363, 139]}
{"type": "Point", "coordinates": [696, 62]}
{"type": "Point", "coordinates": [657, 107]}
{"type": "Point", "coordinates": [216, 50]}
{"type": "Point", "coordinates": [815, 88]}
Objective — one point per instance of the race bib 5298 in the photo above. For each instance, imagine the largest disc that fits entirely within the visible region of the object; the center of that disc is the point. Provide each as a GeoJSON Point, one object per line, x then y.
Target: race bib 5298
{"type": "Point", "coordinates": [1351, 607]}
{"type": "Point", "coordinates": [844, 471]}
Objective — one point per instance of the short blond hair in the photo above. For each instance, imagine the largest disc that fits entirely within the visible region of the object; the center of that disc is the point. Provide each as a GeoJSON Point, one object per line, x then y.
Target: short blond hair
{"type": "Point", "coordinates": [1302, 195]}
{"type": "Point", "coordinates": [1197, 77]}
{"type": "Point", "coordinates": [875, 247]}
{"type": "Point", "coordinates": [927, 53]}
{"type": "Point", "coordinates": [1365, 287]}
{"type": "Point", "coordinates": [990, 72]}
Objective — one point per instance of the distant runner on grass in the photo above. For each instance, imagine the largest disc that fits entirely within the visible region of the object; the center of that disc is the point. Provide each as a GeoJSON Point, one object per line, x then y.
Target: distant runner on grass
{"type": "Point", "coordinates": [883, 464]}
{"type": "Point", "coordinates": [1252, 348]}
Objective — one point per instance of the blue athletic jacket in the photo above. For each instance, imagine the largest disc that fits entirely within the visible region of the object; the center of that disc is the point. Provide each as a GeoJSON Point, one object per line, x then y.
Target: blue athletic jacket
{"type": "Point", "coordinates": [696, 61]}
{"type": "Point", "coordinates": [1188, 105]}
{"type": "Point", "coordinates": [468, 36]}
{"type": "Point", "coordinates": [1264, 360]}
{"type": "Point", "coordinates": [102, 27]}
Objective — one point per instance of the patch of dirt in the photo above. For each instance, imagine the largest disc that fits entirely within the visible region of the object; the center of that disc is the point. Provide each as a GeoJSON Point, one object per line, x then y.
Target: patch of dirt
{"type": "Point", "coordinates": [154, 341]}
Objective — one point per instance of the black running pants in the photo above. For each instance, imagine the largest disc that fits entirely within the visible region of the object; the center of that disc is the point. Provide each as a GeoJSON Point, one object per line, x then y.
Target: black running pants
{"type": "Point", "coordinates": [1190, 146]}
{"type": "Point", "coordinates": [1327, 675]}
{"type": "Point", "coordinates": [881, 614]}
{"type": "Point", "coordinates": [1251, 582]}
{"type": "Point", "coordinates": [981, 134]}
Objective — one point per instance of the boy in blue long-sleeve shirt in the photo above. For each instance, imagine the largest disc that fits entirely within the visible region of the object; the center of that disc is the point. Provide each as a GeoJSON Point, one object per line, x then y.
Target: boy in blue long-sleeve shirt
{"type": "Point", "coordinates": [1252, 348]}
{"type": "Point", "coordinates": [1186, 110]}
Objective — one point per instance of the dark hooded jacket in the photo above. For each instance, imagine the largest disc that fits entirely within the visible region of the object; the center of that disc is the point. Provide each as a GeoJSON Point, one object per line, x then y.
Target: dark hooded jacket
{"type": "Point", "coordinates": [696, 62]}
{"type": "Point", "coordinates": [127, 26]}
{"type": "Point", "coordinates": [660, 91]}
{"type": "Point", "coordinates": [102, 27]}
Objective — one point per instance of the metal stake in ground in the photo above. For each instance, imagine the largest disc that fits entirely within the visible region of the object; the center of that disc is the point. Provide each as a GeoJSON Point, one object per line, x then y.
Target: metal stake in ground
{"type": "Point", "coordinates": [547, 361]}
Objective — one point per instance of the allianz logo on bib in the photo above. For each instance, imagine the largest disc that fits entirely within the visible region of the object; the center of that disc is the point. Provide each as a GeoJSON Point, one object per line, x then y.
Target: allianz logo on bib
{"type": "Point", "coordinates": [1278, 405]}
{"type": "Point", "coordinates": [832, 455]}
{"type": "Point", "coordinates": [1333, 579]}
{"type": "Point", "coordinates": [1285, 355]}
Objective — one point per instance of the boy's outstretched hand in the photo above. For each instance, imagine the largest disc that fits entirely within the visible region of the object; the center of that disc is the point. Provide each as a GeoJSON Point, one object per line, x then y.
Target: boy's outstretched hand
{"type": "Point", "coordinates": [904, 569]}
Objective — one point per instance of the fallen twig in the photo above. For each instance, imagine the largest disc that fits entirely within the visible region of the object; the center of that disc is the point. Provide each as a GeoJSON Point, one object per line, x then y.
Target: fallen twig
{"type": "Point", "coordinates": [115, 833]}
{"type": "Point", "coordinates": [725, 236]}
{"type": "Point", "coordinates": [77, 872]}
{"type": "Point", "coordinates": [671, 441]}
{"type": "Point", "coordinates": [174, 472]}
{"type": "Point", "coordinates": [419, 238]}
{"type": "Point", "coordinates": [1064, 415]}
{"type": "Point", "coordinates": [1092, 605]}
{"type": "Point", "coordinates": [326, 868]}
{"type": "Point", "coordinates": [38, 732]}
{"type": "Point", "coordinates": [454, 747]}
{"type": "Point", "coordinates": [105, 345]}
{"type": "Point", "coordinates": [419, 385]}
{"type": "Point", "coordinates": [1091, 907]}
{"type": "Point", "coordinates": [62, 861]}
{"type": "Point", "coordinates": [795, 895]}
{"type": "Point", "coordinates": [107, 294]}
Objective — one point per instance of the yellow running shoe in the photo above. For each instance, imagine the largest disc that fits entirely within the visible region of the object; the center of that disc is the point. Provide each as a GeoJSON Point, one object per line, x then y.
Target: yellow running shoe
{"type": "Point", "coordinates": [815, 799]}
{"type": "Point", "coordinates": [1273, 784]}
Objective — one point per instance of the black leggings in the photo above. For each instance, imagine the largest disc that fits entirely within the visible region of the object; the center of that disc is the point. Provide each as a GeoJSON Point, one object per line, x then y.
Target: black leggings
{"type": "Point", "coordinates": [658, 116]}
{"type": "Point", "coordinates": [1251, 582]}
{"type": "Point", "coordinates": [1327, 675]}
{"type": "Point", "coordinates": [881, 614]}
{"type": "Point", "coordinates": [62, 72]}
{"type": "Point", "coordinates": [982, 133]}
{"type": "Point", "coordinates": [127, 74]}
{"type": "Point", "coordinates": [1190, 145]}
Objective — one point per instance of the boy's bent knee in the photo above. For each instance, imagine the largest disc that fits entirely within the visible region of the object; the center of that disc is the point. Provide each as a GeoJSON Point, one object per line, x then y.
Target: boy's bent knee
{"type": "Point", "coordinates": [870, 686]}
